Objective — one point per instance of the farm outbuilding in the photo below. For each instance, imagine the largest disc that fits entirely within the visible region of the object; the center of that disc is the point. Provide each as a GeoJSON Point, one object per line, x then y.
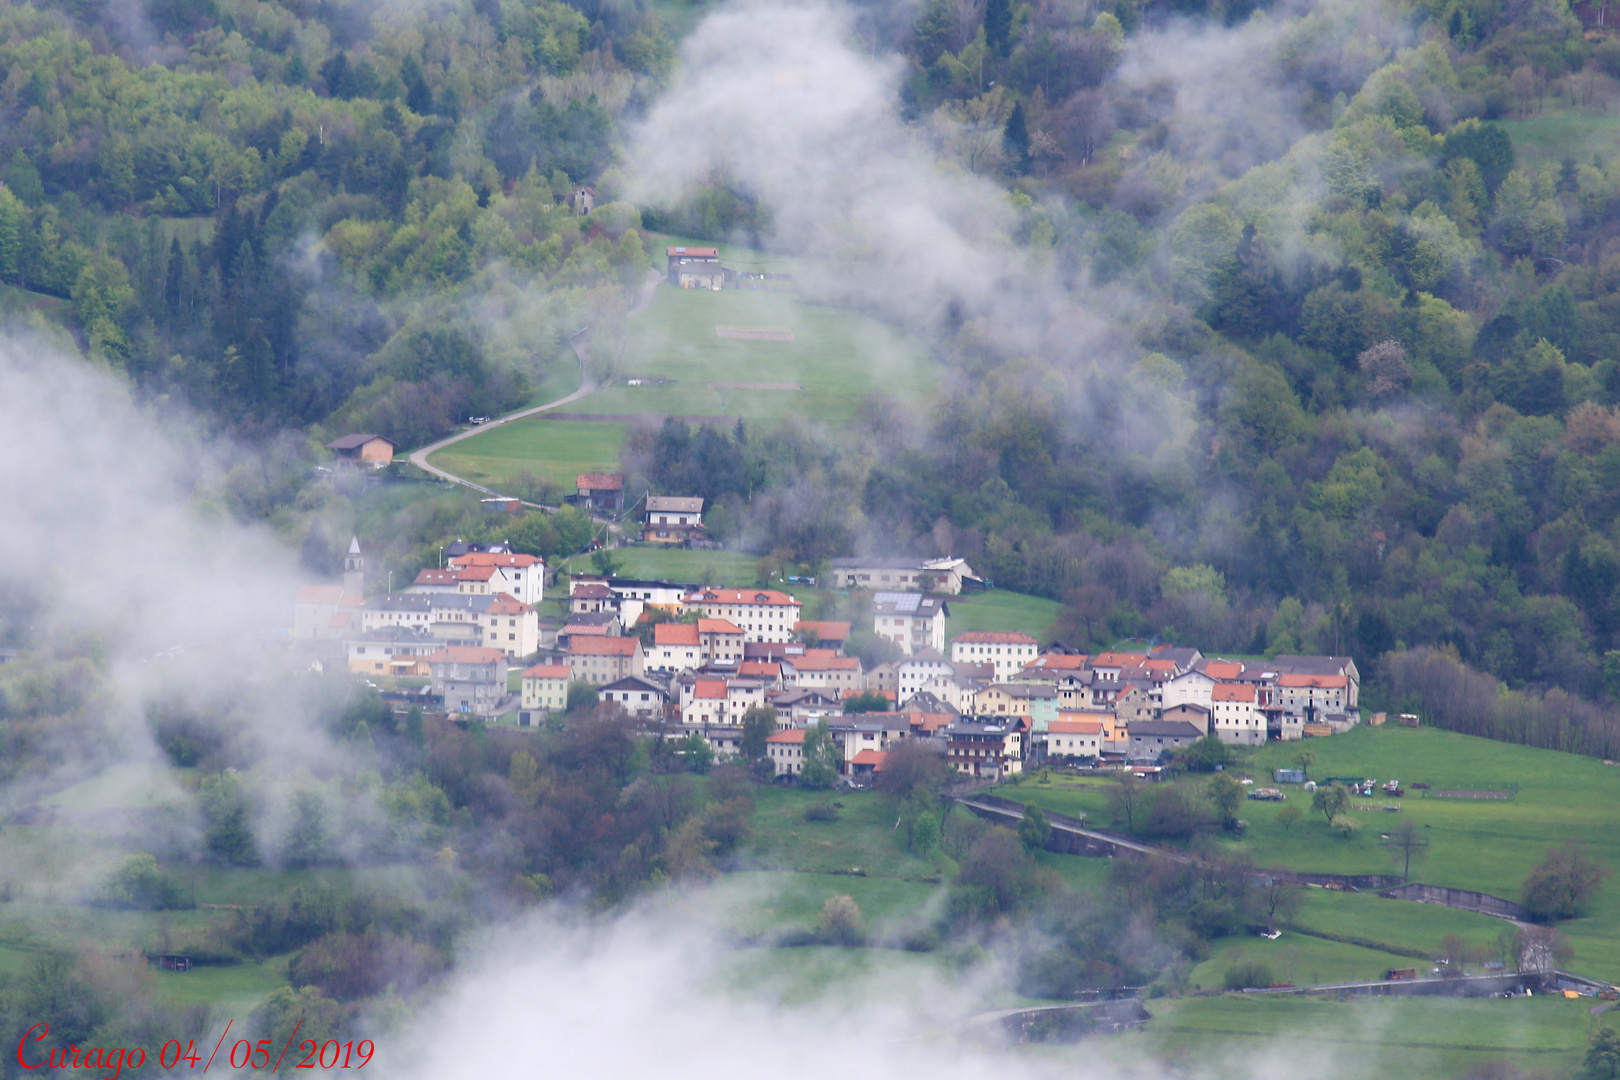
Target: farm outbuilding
{"type": "Point", "coordinates": [354, 451]}
{"type": "Point", "coordinates": [696, 268]}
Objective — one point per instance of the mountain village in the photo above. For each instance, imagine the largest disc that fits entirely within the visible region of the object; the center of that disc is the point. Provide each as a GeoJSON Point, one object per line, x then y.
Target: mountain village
{"type": "Point", "coordinates": [687, 660]}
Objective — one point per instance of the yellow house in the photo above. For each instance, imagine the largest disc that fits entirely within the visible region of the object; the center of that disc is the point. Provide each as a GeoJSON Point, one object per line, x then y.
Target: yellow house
{"type": "Point", "coordinates": [545, 686]}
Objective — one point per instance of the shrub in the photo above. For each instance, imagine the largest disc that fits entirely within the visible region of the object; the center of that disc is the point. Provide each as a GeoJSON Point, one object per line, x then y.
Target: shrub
{"type": "Point", "coordinates": [1247, 974]}
{"type": "Point", "coordinates": [139, 884]}
{"type": "Point", "coordinates": [348, 966]}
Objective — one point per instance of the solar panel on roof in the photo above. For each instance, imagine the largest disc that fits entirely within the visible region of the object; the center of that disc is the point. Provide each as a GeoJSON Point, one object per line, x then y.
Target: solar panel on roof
{"type": "Point", "coordinates": [901, 602]}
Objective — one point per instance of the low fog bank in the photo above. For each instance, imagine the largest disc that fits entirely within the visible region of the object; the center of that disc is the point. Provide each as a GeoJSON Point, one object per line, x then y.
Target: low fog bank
{"type": "Point", "coordinates": [655, 993]}
{"type": "Point", "coordinates": [136, 599]}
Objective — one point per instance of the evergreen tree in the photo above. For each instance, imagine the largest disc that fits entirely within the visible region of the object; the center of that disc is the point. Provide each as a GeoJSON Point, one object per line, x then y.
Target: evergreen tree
{"type": "Point", "coordinates": [418, 98]}
{"type": "Point", "coordinates": [931, 33]}
{"type": "Point", "coordinates": [1015, 139]}
{"type": "Point", "coordinates": [338, 77]}
{"type": "Point", "coordinates": [998, 25]}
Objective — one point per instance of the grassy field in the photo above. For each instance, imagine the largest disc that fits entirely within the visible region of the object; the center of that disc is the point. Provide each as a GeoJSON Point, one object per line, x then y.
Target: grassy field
{"type": "Point", "coordinates": [232, 990]}
{"type": "Point", "coordinates": [15, 301]}
{"type": "Point", "coordinates": [1559, 133]}
{"type": "Point", "coordinates": [1486, 846]}
{"type": "Point", "coordinates": [733, 569]}
{"type": "Point", "coordinates": [835, 357]}
{"type": "Point", "coordinates": [1000, 610]}
{"type": "Point", "coordinates": [553, 450]}
{"type": "Point", "coordinates": [1417, 1037]}
{"type": "Point", "coordinates": [861, 837]}
{"type": "Point", "coordinates": [562, 377]}
{"type": "Point", "coordinates": [757, 902]}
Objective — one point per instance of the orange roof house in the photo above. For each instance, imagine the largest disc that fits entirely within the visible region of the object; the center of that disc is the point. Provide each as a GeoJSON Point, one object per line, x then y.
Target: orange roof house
{"type": "Point", "coordinates": [603, 646]}
{"type": "Point", "coordinates": [1319, 682]}
{"type": "Point", "coordinates": [994, 637]}
{"type": "Point", "coordinates": [676, 634]}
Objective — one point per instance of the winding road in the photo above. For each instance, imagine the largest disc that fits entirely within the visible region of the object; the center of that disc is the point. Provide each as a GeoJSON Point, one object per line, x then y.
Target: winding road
{"type": "Point", "coordinates": [580, 341]}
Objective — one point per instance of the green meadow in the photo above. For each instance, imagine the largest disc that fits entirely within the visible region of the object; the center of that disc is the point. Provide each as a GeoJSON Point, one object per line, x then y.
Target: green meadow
{"type": "Point", "coordinates": [1001, 611]}
{"type": "Point", "coordinates": [1233, 1036]}
{"type": "Point", "coordinates": [1562, 133]}
{"type": "Point", "coordinates": [556, 451]}
{"type": "Point", "coordinates": [1487, 846]}
{"type": "Point", "coordinates": [835, 360]}
{"type": "Point", "coordinates": [728, 569]}
{"type": "Point", "coordinates": [834, 357]}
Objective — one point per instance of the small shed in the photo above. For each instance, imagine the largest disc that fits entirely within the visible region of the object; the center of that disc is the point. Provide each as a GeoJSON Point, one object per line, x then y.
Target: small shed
{"type": "Point", "coordinates": [1290, 776]}
{"type": "Point", "coordinates": [357, 450]}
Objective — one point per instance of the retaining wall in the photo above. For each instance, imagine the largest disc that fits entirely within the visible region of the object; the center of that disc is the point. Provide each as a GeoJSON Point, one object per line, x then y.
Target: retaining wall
{"type": "Point", "coordinates": [1461, 899]}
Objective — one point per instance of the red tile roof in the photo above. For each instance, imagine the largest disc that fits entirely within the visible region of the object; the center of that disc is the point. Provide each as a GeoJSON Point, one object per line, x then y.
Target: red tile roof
{"type": "Point", "coordinates": [507, 604]}
{"type": "Point", "coordinates": [435, 577]}
{"type": "Point", "coordinates": [599, 482]}
{"type": "Point", "coordinates": [676, 633]}
{"type": "Point", "coordinates": [759, 668]}
{"type": "Point", "coordinates": [718, 626]}
{"type": "Point", "coordinates": [547, 671]}
{"type": "Point", "coordinates": [1321, 682]}
{"type": "Point", "coordinates": [873, 758]}
{"type": "Point", "coordinates": [709, 689]}
{"type": "Point", "coordinates": [475, 573]}
{"type": "Point", "coordinates": [1237, 692]}
{"type": "Point", "coordinates": [1056, 662]}
{"type": "Point", "coordinates": [994, 637]}
{"type": "Point", "coordinates": [1075, 727]}
{"type": "Point", "coordinates": [1118, 659]}
{"type": "Point", "coordinates": [491, 558]}
{"type": "Point", "coordinates": [1223, 669]}
{"type": "Point", "coordinates": [591, 590]}
{"type": "Point", "coordinates": [579, 645]}
{"type": "Point", "coordinates": [792, 735]}
{"type": "Point", "coordinates": [826, 631]}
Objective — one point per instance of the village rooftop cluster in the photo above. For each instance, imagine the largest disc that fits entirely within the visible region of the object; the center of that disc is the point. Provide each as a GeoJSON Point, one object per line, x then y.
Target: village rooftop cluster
{"type": "Point", "coordinates": [994, 703]}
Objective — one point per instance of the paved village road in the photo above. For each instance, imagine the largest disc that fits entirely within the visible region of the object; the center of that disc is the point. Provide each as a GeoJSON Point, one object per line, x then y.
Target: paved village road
{"type": "Point", "coordinates": [581, 345]}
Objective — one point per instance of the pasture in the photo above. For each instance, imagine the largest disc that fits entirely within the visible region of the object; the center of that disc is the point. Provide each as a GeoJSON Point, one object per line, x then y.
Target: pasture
{"type": "Point", "coordinates": [555, 451]}
{"type": "Point", "coordinates": [834, 360]}
{"type": "Point", "coordinates": [729, 569]}
{"type": "Point", "coordinates": [1488, 846]}
{"type": "Point", "coordinates": [1000, 610]}
{"type": "Point", "coordinates": [1560, 133]}
{"type": "Point", "coordinates": [18, 303]}
{"type": "Point", "coordinates": [1232, 1036]}
{"type": "Point", "coordinates": [837, 357]}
